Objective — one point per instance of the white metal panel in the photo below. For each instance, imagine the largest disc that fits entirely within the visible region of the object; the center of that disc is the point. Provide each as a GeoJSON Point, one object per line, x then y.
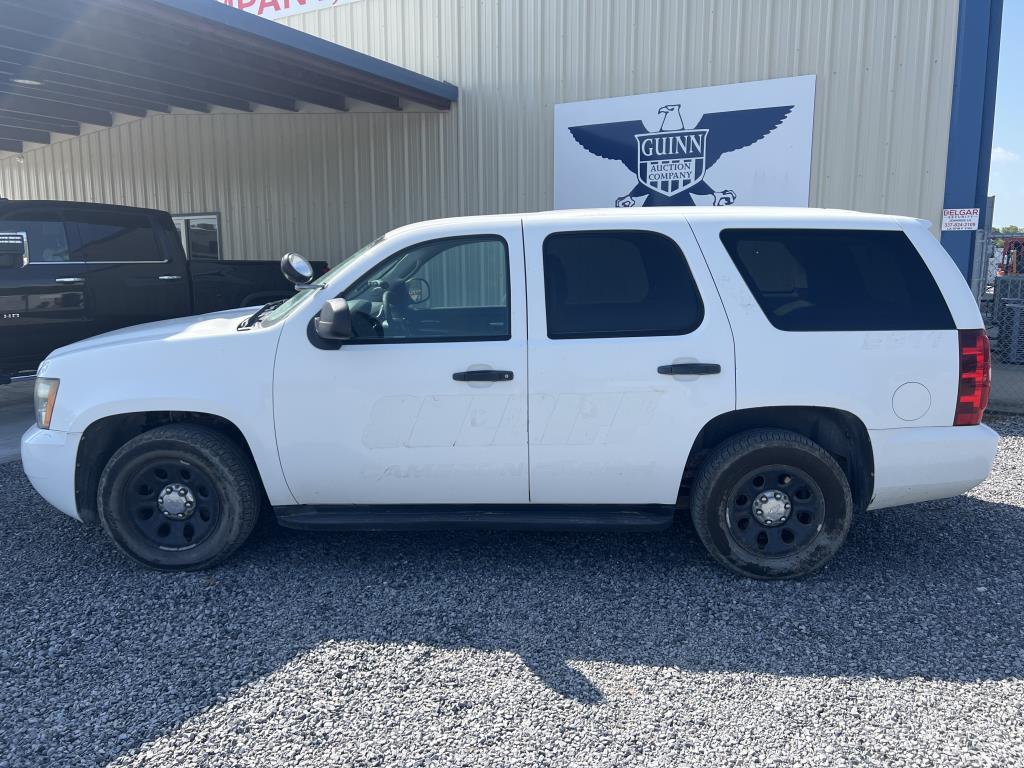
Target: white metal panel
{"type": "Point", "coordinates": [925, 463]}
{"type": "Point", "coordinates": [854, 371]}
{"type": "Point", "coordinates": [229, 374]}
{"type": "Point", "coordinates": [605, 426]}
{"type": "Point", "coordinates": [958, 295]}
{"type": "Point", "coordinates": [323, 184]}
{"type": "Point", "coordinates": [390, 425]}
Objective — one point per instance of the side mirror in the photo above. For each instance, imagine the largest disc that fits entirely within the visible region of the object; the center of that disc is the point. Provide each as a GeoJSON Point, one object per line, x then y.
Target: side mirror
{"type": "Point", "coordinates": [334, 323]}
{"type": "Point", "coordinates": [419, 290]}
{"type": "Point", "coordinates": [296, 268]}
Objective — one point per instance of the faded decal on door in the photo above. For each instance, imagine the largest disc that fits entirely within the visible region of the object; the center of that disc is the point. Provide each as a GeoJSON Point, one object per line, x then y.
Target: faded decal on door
{"type": "Point", "coordinates": [435, 421]}
{"type": "Point", "coordinates": [606, 418]}
{"type": "Point", "coordinates": [480, 421]}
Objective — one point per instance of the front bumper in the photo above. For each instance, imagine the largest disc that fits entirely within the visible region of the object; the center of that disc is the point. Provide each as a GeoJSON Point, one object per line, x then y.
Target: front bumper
{"type": "Point", "coordinates": [48, 458]}
{"type": "Point", "coordinates": [915, 464]}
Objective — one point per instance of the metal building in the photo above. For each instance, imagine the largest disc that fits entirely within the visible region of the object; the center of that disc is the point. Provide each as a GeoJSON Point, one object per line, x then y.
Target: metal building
{"type": "Point", "coordinates": [902, 111]}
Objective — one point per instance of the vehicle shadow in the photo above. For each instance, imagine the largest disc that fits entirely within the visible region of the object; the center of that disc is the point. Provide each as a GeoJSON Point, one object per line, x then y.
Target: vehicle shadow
{"type": "Point", "coordinates": [932, 590]}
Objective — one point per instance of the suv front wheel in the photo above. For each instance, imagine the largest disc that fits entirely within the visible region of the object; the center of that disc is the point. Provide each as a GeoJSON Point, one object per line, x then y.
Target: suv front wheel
{"type": "Point", "coordinates": [771, 504]}
{"type": "Point", "coordinates": [179, 497]}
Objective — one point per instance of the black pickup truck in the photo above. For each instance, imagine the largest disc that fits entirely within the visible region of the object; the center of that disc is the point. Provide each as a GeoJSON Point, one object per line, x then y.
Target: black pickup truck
{"type": "Point", "coordinates": [72, 270]}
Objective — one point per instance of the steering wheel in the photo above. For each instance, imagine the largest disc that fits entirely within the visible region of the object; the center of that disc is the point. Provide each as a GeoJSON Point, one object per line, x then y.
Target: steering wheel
{"type": "Point", "coordinates": [365, 322]}
{"type": "Point", "coordinates": [395, 303]}
{"type": "Point", "coordinates": [376, 324]}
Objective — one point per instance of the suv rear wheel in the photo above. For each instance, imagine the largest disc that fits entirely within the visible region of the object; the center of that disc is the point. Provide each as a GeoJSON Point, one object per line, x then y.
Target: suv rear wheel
{"type": "Point", "coordinates": [771, 504]}
{"type": "Point", "coordinates": [179, 497]}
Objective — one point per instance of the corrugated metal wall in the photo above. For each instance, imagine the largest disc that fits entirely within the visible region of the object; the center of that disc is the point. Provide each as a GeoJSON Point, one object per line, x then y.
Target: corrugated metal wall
{"type": "Point", "coordinates": [324, 184]}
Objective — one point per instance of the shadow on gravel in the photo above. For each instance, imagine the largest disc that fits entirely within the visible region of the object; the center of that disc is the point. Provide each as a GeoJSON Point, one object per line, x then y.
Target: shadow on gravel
{"type": "Point", "coordinates": [1006, 424]}
{"type": "Point", "coordinates": [934, 590]}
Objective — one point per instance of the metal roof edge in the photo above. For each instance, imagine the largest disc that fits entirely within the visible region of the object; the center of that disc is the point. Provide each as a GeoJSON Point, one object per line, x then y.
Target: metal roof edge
{"type": "Point", "coordinates": [224, 15]}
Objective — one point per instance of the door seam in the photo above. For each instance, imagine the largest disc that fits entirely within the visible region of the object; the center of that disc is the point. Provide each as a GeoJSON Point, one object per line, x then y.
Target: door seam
{"type": "Point", "coordinates": [526, 348]}
{"type": "Point", "coordinates": [725, 311]}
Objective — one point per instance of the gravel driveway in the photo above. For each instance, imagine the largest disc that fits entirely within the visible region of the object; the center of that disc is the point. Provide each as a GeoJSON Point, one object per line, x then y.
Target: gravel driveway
{"type": "Point", "coordinates": [502, 649]}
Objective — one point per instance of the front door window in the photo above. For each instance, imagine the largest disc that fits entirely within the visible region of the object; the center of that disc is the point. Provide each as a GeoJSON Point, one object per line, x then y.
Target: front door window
{"type": "Point", "coordinates": [454, 289]}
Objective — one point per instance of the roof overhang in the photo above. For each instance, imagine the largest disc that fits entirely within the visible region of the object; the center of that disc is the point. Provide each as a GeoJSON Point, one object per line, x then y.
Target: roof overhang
{"type": "Point", "coordinates": [68, 63]}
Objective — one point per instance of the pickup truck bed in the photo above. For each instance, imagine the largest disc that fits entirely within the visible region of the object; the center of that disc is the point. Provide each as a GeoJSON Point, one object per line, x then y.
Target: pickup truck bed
{"type": "Point", "coordinates": [69, 271]}
{"type": "Point", "coordinates": [218, 285]}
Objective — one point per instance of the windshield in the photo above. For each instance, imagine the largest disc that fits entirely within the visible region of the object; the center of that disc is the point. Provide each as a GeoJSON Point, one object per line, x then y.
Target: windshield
{"type": "Point", "coordinates": [303, 295]}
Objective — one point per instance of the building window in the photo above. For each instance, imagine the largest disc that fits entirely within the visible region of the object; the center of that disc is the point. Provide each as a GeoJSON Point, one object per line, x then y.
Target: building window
{"type": "Point", "coordinates": [200, 235]}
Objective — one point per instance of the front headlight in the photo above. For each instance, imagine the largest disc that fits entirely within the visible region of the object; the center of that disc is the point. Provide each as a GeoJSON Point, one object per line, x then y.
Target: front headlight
{"type": "Point", "coordinates": [46, 396]}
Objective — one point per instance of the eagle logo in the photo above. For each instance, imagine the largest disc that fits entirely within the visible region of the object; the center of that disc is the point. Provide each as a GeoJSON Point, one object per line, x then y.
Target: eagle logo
{"type": "Point", "coordinates": [670, 163]}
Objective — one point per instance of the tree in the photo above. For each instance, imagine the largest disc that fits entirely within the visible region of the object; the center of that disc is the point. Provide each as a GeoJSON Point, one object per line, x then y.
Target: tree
{"type": "Point", "coordinates": [1010, 229]}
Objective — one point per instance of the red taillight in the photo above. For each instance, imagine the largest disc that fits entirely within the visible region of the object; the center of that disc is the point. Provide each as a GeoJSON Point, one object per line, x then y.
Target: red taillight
{"type": "Point", "coordinates": [975, 378]}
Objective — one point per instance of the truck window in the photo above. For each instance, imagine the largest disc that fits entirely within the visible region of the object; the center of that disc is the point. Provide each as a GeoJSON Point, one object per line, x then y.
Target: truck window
{"type": "Point", "coordinates": [200, 235]}
{"type": "Point", "coordinates": [618, 283]}
{"type": "Point", "coordinates": [46, 240]}
{"type": "Point", "coordinates": [114, 237]}
{"type": "Point", "coordinates": [454, 289]}
{"type": "Point", "coordinates": [838, 280]}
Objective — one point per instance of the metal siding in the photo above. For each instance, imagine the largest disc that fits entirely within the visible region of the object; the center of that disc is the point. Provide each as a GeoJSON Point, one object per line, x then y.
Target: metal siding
{"type": "Point", "coordinates": [323, 184]}
{"type": "Point", "coordinates": [471, 275]}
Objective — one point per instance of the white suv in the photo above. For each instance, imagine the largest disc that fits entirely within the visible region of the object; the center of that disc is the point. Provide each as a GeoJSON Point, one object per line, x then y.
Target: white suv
{"type": "Point", "coordinates": [773, 371]}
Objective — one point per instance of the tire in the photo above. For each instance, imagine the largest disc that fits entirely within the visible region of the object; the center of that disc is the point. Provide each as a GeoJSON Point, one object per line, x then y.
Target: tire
{"type": "Point", "coordinates": [791, 524]}
{"type": "Point", "coordinates": [179, 498]}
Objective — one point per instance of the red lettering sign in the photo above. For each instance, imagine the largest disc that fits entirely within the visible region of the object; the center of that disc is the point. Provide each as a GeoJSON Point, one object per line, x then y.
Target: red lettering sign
{"type": "Point", "coordinates": [275, 9]}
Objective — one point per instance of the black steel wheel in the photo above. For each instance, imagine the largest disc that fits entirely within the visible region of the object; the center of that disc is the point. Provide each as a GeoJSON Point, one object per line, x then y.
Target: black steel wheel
{"type": "Point", "coordinates": [179, 497]}
{"type": "Point", "coordinates": [776, 511]}
{"type": "Point", "coordinates": [771, 504]}
{"type": "Point", "coordinates": [173, 504]}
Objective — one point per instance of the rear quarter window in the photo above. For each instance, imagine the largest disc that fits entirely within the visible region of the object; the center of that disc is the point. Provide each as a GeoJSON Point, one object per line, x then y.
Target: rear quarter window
{"type": "Point", "coordinates": [838, 280]}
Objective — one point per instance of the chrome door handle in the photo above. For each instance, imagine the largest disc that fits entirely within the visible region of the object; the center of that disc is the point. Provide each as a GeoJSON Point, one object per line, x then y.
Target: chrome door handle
{"type": "Point", "coordinates": [169, 277]}
{"type": "Point", "coordinates": [69, 280]}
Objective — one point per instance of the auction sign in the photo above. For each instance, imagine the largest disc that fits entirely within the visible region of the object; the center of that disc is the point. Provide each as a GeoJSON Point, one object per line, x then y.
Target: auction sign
{"type": "Point", "coordinates": [742, 144]}
{"type": "Point", "coordinates": [278, 9]}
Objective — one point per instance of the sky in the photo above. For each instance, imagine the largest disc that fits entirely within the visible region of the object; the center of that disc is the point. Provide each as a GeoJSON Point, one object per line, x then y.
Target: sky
{"type": "Point", "coordinates": [1006, 180]}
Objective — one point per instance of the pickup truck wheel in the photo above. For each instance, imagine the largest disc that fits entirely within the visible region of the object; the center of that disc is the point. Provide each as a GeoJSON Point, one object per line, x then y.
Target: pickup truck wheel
{"type": "Point", "coordinates": [771, 504]}
{"type": "Point", "coordinates": [177, 498]}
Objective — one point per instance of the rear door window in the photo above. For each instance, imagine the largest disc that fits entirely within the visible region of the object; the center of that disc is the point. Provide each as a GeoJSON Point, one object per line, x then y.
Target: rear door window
{"type": "Point", "coordinates": [618, 283]}
{"type": "Point", "coordinates": [838, 280]}
{"type": "Point", "coordinates": [41, 235]}
{"type": "Point", "coordinates": [112, 237]}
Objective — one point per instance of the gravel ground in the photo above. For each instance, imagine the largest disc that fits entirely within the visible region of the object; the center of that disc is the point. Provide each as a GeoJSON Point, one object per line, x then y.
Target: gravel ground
{"type": "Point", "coordinates": [491, 649]}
